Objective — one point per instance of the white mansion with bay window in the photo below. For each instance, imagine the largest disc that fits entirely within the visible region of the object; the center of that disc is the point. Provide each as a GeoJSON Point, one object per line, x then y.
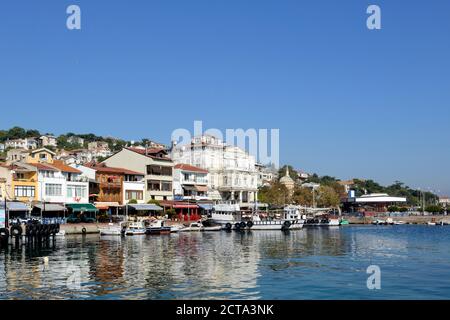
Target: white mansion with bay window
{"type": "Point", "coordinates": [232, 171]}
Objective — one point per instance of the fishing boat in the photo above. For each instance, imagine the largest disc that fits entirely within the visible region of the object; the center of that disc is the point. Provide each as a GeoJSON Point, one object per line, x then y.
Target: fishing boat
{"type": "Point", "coordinates": [157, 227]}
{"type": "Point", "coordinates": [344, 222]}
{"type": "Point", "coordinates": [135, 228]}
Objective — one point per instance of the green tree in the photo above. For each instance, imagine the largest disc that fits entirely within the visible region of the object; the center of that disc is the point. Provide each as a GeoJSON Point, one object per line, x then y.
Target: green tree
{"type": "Point", "coordinates": [16, 133]}
{"type": "Point", "coordinates": [276, 194]}
{"type": "Point", "coordinates": [327, 197]}
{"type": "Point", "coordinates": [303, 196]}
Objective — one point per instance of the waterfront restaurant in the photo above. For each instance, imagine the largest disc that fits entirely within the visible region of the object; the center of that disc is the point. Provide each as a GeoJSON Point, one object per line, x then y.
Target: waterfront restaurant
{"type": "Point", "coordinates": [370, 204]}
{"type": "Point", "coordinates": [185, 211]}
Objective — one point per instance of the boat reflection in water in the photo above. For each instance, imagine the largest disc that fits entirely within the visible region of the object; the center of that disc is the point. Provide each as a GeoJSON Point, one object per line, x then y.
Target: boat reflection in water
{"type": "Point", "coordinates": [312, 263]}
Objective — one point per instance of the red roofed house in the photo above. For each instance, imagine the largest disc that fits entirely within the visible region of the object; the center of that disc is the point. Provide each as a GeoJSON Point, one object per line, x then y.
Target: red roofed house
{"type": "Point", "coordinates": [153, 163]}
{"type": "Point", "coordinates": [117, 185]}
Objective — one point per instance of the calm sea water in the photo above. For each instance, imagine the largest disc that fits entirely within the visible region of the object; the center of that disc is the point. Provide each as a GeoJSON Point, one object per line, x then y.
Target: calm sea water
{"type": "Point", "coordinates": [306, 264]}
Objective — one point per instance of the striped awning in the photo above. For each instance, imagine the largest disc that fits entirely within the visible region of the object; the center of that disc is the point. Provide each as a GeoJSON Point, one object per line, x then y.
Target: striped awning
{"type": "Point", "coordinates": [14, 206]}
{"type": "Point", "coordinates": [106, 205]}
{"type": "Point", "coordinates": [145, 207]}
{"type": "Point", "coordinates": [50, 207]}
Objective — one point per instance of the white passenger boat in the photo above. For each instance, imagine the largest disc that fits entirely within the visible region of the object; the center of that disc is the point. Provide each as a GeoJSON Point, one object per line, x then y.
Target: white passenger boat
{"type": "Point", "coordinates": [228, 216]}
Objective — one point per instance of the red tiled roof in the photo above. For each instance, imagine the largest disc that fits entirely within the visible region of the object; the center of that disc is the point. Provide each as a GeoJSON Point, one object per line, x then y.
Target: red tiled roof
{"type": "Point", "coordinates": [150, 152]}
{"type": "Point", "coordinates": [58, 164]}
{"type": "Point", "coordinates": [41, 166]}
{"type": "Point", "coordinates": [102, 168]}
{"type": "Point", "coordinates": [188, 167]}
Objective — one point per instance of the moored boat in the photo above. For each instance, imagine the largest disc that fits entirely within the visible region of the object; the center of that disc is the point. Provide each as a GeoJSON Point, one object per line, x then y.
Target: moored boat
{"type": "Point", "coordinates": [135, 228]}
{"type": "Point", "coordinates": [194, 226]}
{"type": "Point", "coordinates": [157, 227]}
{"type": "Point", "coordinates": [112, 230]}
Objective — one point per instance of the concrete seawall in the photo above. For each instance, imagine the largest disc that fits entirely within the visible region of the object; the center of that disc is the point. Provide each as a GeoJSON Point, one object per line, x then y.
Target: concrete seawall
{"type": "Point", "coordinates": [81, 228]}
{"type": "Point", "coordinates": [408, 219]}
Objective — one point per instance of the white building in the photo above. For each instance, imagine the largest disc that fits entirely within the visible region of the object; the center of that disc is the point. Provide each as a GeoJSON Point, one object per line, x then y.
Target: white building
{"type": "Point", "coordinates": [232, 172]}
{"type": "Point", "coordinates": [265, 175]}
{"type": "Point", "coordinates": [59, 183]}
{"type": "Point", "coordinates": [190, 183]}
{"type": "Point", "coordinates": [75, 140]}
{"type": "Point", "coordinates": [48, 141]}
{"type": "Point", "coordinates": [444, 201]}
{"type": "Point", "coordinates": [27, 143]}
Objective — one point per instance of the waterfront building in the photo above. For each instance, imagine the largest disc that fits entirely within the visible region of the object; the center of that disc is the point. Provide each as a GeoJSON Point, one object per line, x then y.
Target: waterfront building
{"type": "Point", "coordinates": [44, 183]}
{"type": "Point", "coordinates": [370, 204]}
{"type": "Point", "coordinates": [190, 183]}
{"type": "Point", "coordinates": [48, 141]}
{"type": "Point", "coordinates": [114, 185]}
{"type": "Point", "coordinates": [232, 172]}
{"type": "Point", "coordinates": [20, 182]}
{"type": "Point", "coordinates": [154, 164]}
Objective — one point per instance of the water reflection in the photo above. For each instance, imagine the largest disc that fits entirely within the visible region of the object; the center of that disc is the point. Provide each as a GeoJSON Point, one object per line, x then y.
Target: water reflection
{"type": "Point", "coordinates": [221, 265]}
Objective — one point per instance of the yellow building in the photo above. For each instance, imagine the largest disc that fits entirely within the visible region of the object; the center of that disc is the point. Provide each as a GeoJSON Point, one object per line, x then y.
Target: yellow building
{"type": "Point", "coordinates": [24, 182]}
{"type": "Point", "coordinates": [42, 155]}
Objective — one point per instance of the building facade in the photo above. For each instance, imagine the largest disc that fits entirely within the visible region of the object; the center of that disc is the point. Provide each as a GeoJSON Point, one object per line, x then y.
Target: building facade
{"type": "Point", "coordinates": [154, 164]}
{"type": "Point", "coordinates": [190, 183]}
{"type": "Point", "coordinates": [27, 143]}
{"type": "Point", "coordinates": [232, 171]}
{"type": "Point", "coordinates": [116, 185]}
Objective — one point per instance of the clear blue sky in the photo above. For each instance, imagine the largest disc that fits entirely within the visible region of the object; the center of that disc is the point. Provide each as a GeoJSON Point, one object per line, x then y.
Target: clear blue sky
{"type": "Point", "coordinates": [349, 102]}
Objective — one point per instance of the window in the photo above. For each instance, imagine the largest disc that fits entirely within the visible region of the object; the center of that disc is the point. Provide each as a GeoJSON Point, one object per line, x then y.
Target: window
{"type": "Point", "coordinates": [48, 174]}
{"type": "Point", "coordinates": [166, 186]}
{"type": "Point", "coordinates": [24, 191]}
{"type": "Point", "coordinates": [42, 156]}
{"type": "Point", "coordinates": [134, 194]}
{"type": "Point", "coordinates": [167, 171]}
{"type": "Point", "coordinates": [159, 170]}
{"type": "Point", "coordinates": [153, 185]}
{"type": "Point", "coordinates": [52, 189]}
{"type": "Point", "coordinates": [76, 191]}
